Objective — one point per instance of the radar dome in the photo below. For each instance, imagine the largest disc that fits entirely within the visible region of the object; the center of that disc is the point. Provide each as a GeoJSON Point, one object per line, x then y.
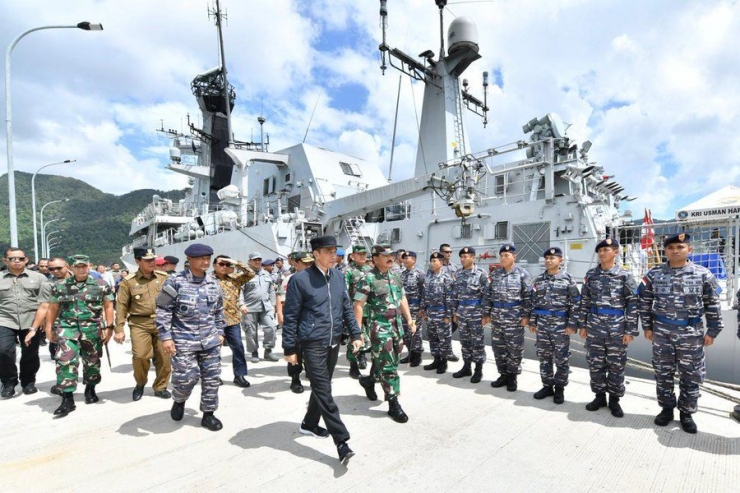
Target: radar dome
{"type": "Point", "coordinates": [462, 34]}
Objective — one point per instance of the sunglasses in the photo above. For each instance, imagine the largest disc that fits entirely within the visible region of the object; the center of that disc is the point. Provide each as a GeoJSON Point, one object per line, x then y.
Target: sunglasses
{"type": "Point", "coordinates": [446, 251]}
{"type": "Point", "coordinates": [54, 269]}
{"type": "Point", "coordinates": [224, 264]}
{"type": "Point", "coordinates": [16, 259]}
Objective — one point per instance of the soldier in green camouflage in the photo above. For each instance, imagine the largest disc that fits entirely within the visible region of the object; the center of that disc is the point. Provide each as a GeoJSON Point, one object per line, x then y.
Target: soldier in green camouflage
{"type": "Point", "coordinates": [357, 269]}
{"type": "Point", "coordinates": [84, 306]}
{"type": "Point", "coordinates": [382, 293]}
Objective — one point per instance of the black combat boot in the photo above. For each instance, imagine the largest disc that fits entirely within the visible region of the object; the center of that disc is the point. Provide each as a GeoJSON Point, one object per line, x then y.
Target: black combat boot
{"type": "Point", "coordinates": [665, 417]}
{"type": "Point", "coordinates": [395, 411]}
{"type": "Point", "coordinates": [68, 405]}
{"type": "Point", "coordinates": [559, 396]}
{"type": "Point", "coordinates": [687, 423]}
{"type": "Point", "coordinates": [545, 391]}
{"type": "Point", "coordinates": [511, 384]}
{"type": "Point", "coordinates": [354, 370]}
{"type": "Point", "coordinates": [90, 395]}
{"type": "Point", "coordinates": [500, 381]}
{"type": "Point", "coordinates": [177, 411]}
{"type": "Point", "coordinates": [442, 368]}
{"type": "Point", "coordinates": [597, 403]}
{"type": "Point", "coordinates": [465, 371]}
{"type": "Point", "coordinates": [477, 374]}
{"type": "Point", "coordinates": [211, 422]}
{"type": "Point", "coordinates": [615, 407]}
{"type": "Point", "coordinates": [369, 385]}
{"type": "Point", "coordinates": [405, 359]}
{"type": "Point", "coordinates": [295, 385]}
{"type": "Point", "coordinates": [415, 359]}
{"type": "Point", "coordinates": [362, 361]}
{"type": "Point", "coordinates": [434, 364]}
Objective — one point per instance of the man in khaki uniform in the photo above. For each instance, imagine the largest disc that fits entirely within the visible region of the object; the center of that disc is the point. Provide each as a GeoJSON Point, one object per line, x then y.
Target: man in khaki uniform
{"type": "Point", "coordinates": [135, 304]}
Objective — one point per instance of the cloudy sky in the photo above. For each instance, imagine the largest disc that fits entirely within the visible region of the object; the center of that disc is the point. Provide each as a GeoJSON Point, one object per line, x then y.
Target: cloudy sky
{"type": "Point", "coordinates": [653, 84]}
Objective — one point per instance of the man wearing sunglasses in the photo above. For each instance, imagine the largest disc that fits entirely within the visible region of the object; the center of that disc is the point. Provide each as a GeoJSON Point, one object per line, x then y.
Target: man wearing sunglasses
{"type": "Point", "coordinates": [19, 290]}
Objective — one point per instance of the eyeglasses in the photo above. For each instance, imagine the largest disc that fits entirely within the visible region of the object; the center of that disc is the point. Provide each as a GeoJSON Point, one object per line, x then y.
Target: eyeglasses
{"type": "Point", "coordinates": [54, 269]}
{"type": "Point", "coordinates": [16, 259]}
{"type": "Point", "coordinates": [224, 264]}
{"type": "Point", "coordinates": [446, 251]}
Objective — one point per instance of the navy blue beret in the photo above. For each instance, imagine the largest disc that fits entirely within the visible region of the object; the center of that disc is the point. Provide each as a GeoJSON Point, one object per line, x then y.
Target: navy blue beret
{"type": "Point", "coordinates": [553, 251]}
{"type": "Point", "coordinates": [198, 250]}
{"type": "Point", "coordinates": [507, 247]}
{"type": "Point", "coordinates": [608, 242]}
{"type": "Point", "coordinates": [677, 238]}
{"type": "Point", "coordinates": [467, 250]}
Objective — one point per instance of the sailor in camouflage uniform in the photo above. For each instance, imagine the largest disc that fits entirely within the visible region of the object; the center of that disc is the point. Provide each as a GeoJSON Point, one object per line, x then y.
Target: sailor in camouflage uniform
{"type": "Point", "coordinates": [84, 306]}
{"type": "Point", "coordinates": [382, 293]}
{"type": "Point", "coordinates": [436, 308]}
{"type": "Point", "coordinates": [673, 298]}
{"type": "Point", "coordinates": [468, 291]}
{"type": "Point", "coordinates": [555, 299]}
{"type": "Point", "coordinates": [190, 320]}
{"type": "Point", "coordinates": [607, 319]}
{"type": "Point", "coordinates": [357, 269]}
{"type": "Point", "coordinates": [413, 284]}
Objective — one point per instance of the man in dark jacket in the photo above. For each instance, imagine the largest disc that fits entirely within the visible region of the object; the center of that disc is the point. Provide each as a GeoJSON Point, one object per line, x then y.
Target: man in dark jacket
{"type": "Point", "coordinates": [316, 309]}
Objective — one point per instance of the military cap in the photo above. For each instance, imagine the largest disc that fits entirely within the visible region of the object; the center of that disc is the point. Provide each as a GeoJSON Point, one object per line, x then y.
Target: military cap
{"type": "Point", "coordinates": [295, 255]}
{"type": "Point", "coordinates": [607, 242]}
{"type": "Point", "coordinates": [340, 252]}
{"type": "Point", "coordinates": [359, 249]}
{"type": "Point", "coordinates": [144, 253]}
{"type": "Point", "coordinates": [467, 250]}
{"type": "Point", "coordinates": [78, 259]}
{"type": "Point", "coordinates": [279, 259]}
{"type": "Point", "coordinates": [400, 252]}
{"type": "Point", "coordinates": [268, 262]}
{"type": "Point", "coordinates": [409, 254]}
{"type": "Point", "coordinates": [198, 250]}
{"type": "Point", "coordinates": [323, 242]}
{"type": "Point", "coordinates": [555, 251]}
{"type": "Point", "coordinates": [437, 255]}
{"type": "Point", "coordinates": [307, 258]}
{"type": "Point", "coordinates": [507, 247]}
{"type": "Point", "coordinates": [381, 250]}
{"type": "Point", "coordinates": [255, 255]}
{"type": "Point", "coordinates": [172, 260]}
{"type": "Point", "coordinates": [160, 261]}
{"type": "Point", "coordinates": [677, 238]}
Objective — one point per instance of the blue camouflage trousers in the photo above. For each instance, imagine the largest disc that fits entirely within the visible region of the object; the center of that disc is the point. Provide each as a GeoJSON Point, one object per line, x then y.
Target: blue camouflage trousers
{"type": "Point", "coordinates": [671, 350]}
{"type": "Point", "coordinates": [439, 333]}
{"type": "Point", "coordinates": [553, 347]}
{"type": "Point", "coordinates": [507, 342]}
{"type": "Point", "coordinates": [188, 367]}
{"type": "Point", "coordinates": [471, 337]}
{"type": "Point", "coordinates": [413, 342]}
{"type": "Point", "coordinates": [606, 355]}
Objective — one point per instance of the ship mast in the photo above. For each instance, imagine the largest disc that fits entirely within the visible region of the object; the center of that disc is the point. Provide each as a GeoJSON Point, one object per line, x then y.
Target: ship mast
{"type": "Point", "coordinates": [219, 17]}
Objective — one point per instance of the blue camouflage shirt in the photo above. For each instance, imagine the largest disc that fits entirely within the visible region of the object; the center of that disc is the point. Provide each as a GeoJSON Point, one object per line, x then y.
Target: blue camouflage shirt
{"type": "Point", "coordinates": [608, 302]}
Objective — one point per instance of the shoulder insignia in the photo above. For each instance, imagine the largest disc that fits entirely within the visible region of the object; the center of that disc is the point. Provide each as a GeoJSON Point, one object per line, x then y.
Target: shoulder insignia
{"type": "Point", "coordinates": [130, 276]}
{"type": "Point", "coordinates": [161, 273]}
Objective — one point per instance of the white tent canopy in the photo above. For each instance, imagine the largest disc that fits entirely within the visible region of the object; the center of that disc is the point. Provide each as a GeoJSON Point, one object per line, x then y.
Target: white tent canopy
{"type": "Point", "coordinates": [721, 204]}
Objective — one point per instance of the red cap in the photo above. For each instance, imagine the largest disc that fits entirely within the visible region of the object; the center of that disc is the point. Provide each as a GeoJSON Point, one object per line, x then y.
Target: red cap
{"type": "Point", "coordinates": [160, 261]}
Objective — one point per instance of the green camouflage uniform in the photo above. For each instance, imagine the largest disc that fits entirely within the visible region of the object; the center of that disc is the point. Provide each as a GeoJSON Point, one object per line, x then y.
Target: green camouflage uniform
{"type": "Point", "coordinates": [382, 294]}
{"type": "Point", "coordinates": [353, 276]}
{"type": "Point", "coordinates": [79, 330]}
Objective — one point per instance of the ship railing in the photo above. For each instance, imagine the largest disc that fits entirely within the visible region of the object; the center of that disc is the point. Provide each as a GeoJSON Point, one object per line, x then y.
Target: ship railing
{"type": "Point", "coordinates": [714, 245]}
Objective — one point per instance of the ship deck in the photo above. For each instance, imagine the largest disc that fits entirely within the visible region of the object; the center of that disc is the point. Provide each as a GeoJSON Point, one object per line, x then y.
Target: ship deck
{"type": "Point", "coordinates": [460, 437]}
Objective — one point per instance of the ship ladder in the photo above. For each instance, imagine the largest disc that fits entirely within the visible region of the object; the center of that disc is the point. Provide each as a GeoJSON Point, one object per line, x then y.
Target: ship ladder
{"type": "Point", "coordinates": [458, 127]}
{"type": "Point", "coordinates": [352, 229]}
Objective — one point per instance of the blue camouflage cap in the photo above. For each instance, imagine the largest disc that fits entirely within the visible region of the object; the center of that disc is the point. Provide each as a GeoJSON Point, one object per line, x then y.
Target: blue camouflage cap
{"type": "Point", "coordinates": [554, 251]}
{"type": "Point", "coordinates": [198, 250]}
{"type": "Point", "coordinates": [607, 242]}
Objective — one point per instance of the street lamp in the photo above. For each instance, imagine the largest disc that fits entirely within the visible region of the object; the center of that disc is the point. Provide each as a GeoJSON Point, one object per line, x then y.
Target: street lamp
{"type": "Point", "coordinates": [85, 26]}
{"type": "Point", "coordinates": [43, 233]}
{"type": "Point", "coordinates": [50, 247]}
{"type": "Point", "coordinates": [49, 238]}
{"type": "Point", "coordinates": [33, 205]}
{"type": "Point", "coordinates": [42, 221]}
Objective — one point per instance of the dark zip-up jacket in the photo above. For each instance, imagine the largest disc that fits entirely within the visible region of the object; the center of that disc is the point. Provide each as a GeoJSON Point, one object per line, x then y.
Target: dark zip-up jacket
{"type": "Point", "coordinates": [317, 308]}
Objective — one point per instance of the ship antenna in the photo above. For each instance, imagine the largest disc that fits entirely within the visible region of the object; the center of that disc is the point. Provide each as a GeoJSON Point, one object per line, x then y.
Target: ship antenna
{"type": "Point", "coordinates": [312, 112]}
{"type": "Point", "coordinates": [441, 4]}
{"type": "Point", "coordinates": [395, 125]}
{"type": "Point", "coordinates": [219, 18]}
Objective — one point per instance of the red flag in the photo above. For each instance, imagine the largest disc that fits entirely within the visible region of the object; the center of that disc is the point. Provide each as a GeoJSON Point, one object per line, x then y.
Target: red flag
{"type": "Point", "coordinates": [648, 234]}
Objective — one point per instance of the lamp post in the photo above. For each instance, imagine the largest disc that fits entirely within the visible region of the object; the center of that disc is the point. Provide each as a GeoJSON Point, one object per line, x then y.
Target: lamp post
{"type": "Point", "coordinates": [42, 221]}
{"type": "Point", "coordinates": [85, 26]}
{"type": "Point", "coordinates": [50, 247]}
{"type": "Point", "coordinates": [49, 237]}
{"type": "Point", "coordinates": [43, 233]}
{"type": "Point", "coordinates": [33, 205]}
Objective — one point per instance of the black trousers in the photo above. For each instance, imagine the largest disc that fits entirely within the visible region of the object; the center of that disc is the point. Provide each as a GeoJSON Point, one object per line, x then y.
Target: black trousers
{"type": "Point", "coordinates": [29, 357]}
{"type": "Point", "coordinates": [319, 362]}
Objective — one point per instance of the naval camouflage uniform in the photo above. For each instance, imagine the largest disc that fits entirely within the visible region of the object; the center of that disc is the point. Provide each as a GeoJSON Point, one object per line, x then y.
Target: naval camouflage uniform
{"type": "Point", "coordinates": [190, 312]}
{"type": "Point", "coordinates": [672, 303]}
{"type": "Point", "coordinates": [555, 301]}
{"type": "Point", "coordinates": [352, 277]}
{"type": "Point", "coordinates": [608, 311]}
{"type": "Point", "coordinates": [436, 304]}
{"type": "Point", "coordinates": [81, 322]}
{"type": "Point", "coordinates": [413, 285]}
{"type": "Point", "coordinates": [382, 295]}
{"type": "Point", "coordinates": [468, 290]}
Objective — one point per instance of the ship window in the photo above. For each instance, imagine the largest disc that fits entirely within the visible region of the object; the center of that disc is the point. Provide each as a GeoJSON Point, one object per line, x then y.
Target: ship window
{"type": "Point", "coordinates": [350, 169]}
{"type": "Point", "coordinates": [396, 235]}
{"type": "Point", "coordinates": [466, 231]}
{"type": "Point", "coordinates": [268, 185]}
{"type": "Point", "coordinates": [294, 203]}
{"type": "Point", "coordinates": [499, 184]}
{"type": "Point", "coordinates": [502, 230]}
{"type": "Point", "coordinates": [288, 178]}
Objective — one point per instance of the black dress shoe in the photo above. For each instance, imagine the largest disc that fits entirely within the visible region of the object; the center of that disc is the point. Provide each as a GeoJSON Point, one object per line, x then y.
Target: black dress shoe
{"type": "Point", "coordinates": [296, 386]}
{"type": "Point", "coordinates": [177, 411]}
{"type": "Point", "coordinates": [30, 389]}
{"type": "Point", "coordinates": [242, 382]}
{"type": "Point", "coordinates": [7, 392]}
{"type": "Point", "coordinates": [162, 394]}
{"type": "Point", "coordinates": [211, 422]}
{"type": "Point", "coordinates": [90, 396]}
{"type": "Point", "coordinates": [345, 453]}
{"type": "Point", "coordinates": [137, 393]}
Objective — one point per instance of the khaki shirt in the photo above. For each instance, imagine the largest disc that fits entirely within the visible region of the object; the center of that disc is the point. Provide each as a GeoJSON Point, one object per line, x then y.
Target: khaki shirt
{"type": "Point", "coordinates": [135, 300]}
{"type": "Point", "coordinates": [19, 298]}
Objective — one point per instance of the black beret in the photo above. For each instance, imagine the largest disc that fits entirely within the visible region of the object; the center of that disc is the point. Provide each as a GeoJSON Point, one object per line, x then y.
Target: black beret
{"type": "Point", "coordinates": [677, 238]}
{"type": "Point", "coordinates": [467, 250]}
{"type": "Point", "coordinates": [553, 251]}
{"type": "Point", "coordinates": [507, 247]}
{"type": "Point", "coordinates": [409, 254]}
{"type": "Point", "coordinates": [607, 242]}
{"type": "Point", "coordinates": [198, 250]}
{"type": "Point", "coordinates": [437, 255]}
{"type": "Point", "coordinates": [172, 260]}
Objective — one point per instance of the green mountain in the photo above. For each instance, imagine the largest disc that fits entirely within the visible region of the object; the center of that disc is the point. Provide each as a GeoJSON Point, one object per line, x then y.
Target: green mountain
{"type": "Point", "coordinates": [95, 223]}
